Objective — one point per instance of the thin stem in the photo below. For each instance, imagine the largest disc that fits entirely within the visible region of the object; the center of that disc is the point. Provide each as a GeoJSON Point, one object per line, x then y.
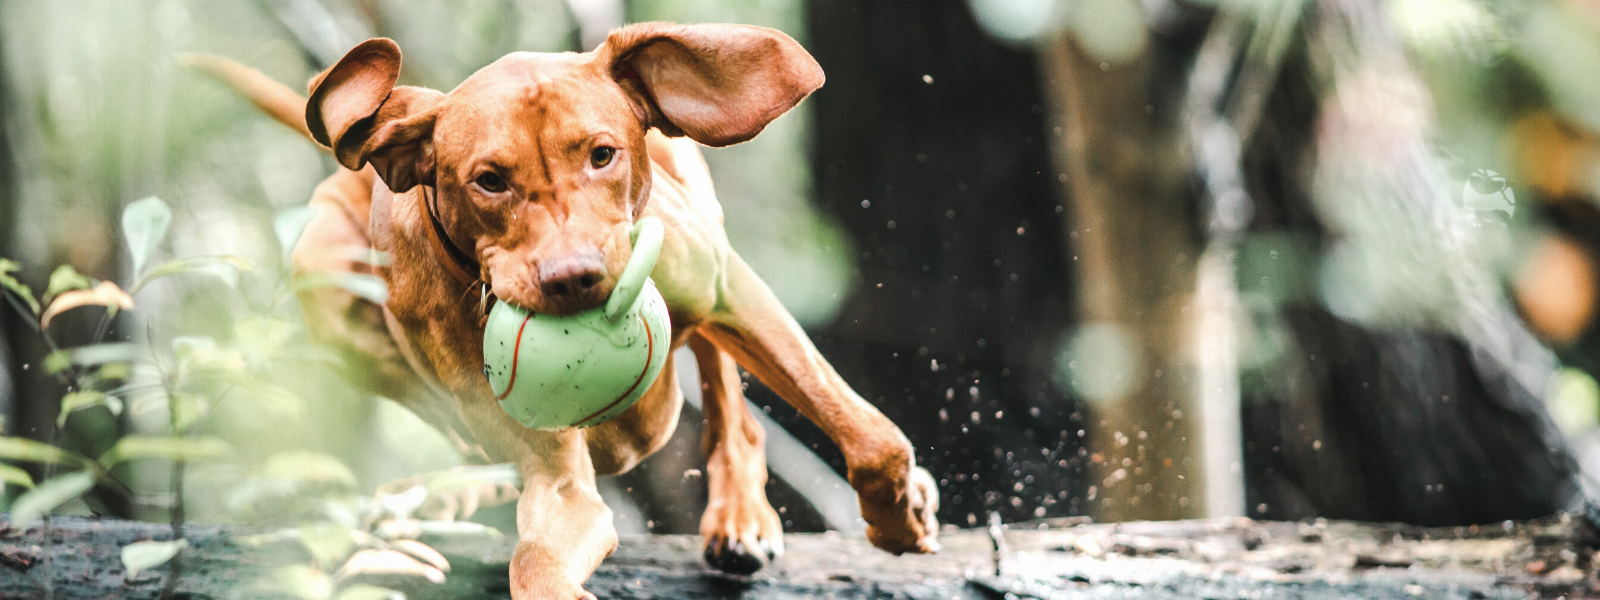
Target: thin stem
{"type": "Point", "coordinates": [103, 328]}
{"type": "Point", "coordinates": [28, 317]}
{"type": "Point", "coordinates": [175, 567]}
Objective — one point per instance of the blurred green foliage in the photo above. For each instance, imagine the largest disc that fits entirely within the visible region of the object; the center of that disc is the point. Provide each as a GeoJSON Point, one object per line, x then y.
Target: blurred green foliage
{"type": "Point", "coordinates": [214, 347]}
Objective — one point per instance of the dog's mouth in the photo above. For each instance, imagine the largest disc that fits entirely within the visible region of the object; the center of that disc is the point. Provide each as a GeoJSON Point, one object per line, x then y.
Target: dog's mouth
{"type": "Point", "coordinates": [568, 302]}
{"type": "Point", "coordinates": [576, 301]}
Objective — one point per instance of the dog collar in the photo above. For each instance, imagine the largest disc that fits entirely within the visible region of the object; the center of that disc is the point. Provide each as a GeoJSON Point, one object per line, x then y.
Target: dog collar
{"type": "Point", "coordinates": [457, 262]}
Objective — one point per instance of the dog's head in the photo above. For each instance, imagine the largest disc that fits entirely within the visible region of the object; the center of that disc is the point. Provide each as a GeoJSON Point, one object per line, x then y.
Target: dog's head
{"type": "Point", "coordinates": [539, 160]}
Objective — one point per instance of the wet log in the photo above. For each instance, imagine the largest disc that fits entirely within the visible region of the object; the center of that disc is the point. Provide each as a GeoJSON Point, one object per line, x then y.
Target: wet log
{"type": "Point", "coordinates": [1219, 558]}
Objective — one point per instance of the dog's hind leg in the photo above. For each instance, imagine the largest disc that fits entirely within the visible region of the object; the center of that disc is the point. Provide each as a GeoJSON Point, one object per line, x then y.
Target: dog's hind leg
{"type": "Point", "coordinates": [354, 327]}
{"type": "Point", "coordinates": [740, 529]}
{"type": "Point", "coordinates": [616, 446]}
{"type": "Point", "coordinates": [898, 499]}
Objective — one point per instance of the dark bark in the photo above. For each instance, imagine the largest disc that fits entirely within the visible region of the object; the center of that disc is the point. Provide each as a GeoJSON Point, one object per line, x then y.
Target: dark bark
{"type": "Point", "coordinates": [1412, 430]}
{"type": "Point", "coordinates": [20, 344]}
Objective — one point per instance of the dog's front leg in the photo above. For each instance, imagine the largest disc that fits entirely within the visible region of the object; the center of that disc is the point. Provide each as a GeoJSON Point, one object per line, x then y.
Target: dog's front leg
{"type": "Point", "coordinates": [564, 529]}
{"type": "Point", "coordinates": [740, 530]}
{"type": "Point", "coordinates": [898, 498]}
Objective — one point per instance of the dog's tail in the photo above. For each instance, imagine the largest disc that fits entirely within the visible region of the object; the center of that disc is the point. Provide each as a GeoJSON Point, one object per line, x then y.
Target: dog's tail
{"type": "Point", "coordinates": [274, 98]}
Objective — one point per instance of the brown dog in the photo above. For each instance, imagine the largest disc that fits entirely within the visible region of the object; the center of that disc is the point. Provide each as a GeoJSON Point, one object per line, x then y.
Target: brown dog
{"type": "Point", "coordinates": [523, 182]}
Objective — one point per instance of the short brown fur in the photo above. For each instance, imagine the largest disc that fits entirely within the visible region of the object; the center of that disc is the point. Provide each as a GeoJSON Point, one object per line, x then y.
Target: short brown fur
{"type": "Point", "coordinates": [534, 121]}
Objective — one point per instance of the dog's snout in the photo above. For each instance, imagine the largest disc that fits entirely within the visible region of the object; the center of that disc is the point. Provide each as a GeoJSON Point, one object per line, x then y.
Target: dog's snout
{"type": "Point", "coordinates": [573, 275]}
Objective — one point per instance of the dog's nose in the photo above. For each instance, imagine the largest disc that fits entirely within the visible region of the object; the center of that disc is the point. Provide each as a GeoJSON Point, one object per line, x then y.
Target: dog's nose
{"type": "Point", "coordinates": [572, 275]}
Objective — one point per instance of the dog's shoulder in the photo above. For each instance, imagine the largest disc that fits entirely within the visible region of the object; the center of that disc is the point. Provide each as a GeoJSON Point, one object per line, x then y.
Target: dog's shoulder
{"type": "Point", "coordinates": [678, 164]}
{"type": "Point", "coordinates": [679, 158]}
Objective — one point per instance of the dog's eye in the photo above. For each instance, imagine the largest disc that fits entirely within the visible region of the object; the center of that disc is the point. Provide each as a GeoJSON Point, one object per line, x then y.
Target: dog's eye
{"type": "Point", "coordinates": [491, 182]}
{"type": "Point", "coordinates": [601, 156]}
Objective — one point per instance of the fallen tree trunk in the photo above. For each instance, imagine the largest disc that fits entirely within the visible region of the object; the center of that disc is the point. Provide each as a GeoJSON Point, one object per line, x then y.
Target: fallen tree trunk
{"type": "Point", "coordinates": [1220, 558]}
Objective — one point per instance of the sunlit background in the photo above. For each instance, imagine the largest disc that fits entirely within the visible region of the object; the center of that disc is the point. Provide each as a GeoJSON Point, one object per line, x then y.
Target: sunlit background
{"type": "Point", "coordinates": [1129, 259]}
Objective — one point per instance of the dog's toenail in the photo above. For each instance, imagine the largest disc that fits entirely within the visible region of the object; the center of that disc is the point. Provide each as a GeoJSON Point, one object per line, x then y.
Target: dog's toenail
{"type": "Point", "coordinates": [730, 556]}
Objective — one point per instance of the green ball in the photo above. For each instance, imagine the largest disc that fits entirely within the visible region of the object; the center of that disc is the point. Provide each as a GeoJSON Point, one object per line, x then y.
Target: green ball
{"type": "Point", "coordinates": [553, 372]}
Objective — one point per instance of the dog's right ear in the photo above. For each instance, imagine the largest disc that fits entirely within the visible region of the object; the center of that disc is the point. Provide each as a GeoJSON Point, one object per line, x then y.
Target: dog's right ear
{"type": "Point", "coordinates": [356, 110]}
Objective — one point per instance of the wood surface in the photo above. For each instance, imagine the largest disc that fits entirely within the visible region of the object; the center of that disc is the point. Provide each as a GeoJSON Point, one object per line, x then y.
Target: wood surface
{"type": "Point", "coordinates": [1218, 559]}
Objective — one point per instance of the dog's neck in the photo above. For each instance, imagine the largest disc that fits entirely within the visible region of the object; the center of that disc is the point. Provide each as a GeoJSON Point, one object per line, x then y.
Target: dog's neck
{"type": "Point", "coordinates": [460, 264]}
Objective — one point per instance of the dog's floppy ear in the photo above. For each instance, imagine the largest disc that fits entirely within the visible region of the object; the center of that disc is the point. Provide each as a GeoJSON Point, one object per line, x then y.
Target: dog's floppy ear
{"type": "Point", "coordinates": [356, 110]}
{"type": "Point", "coordinates": [718, 84]}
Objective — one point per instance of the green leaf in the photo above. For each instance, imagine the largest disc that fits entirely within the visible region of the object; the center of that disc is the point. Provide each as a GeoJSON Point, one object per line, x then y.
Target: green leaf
{"type": "Point", "coordinates": [200, 354]}
{"type": "Point", "coordinates": [300, 581]}
{"type": "Point", "coordinates": [185, 409]}
{"type": "Point", "coordinates": [259, 492]}
{"type": "Point", "coordinates": [10, 475]}
{"type": "Point", "coordinates": [307, 466]}
{"type": "Point", "coordinates": [58, 361]}
{"type": "Point", "coordinates": [7, 267]}
{"type": "Point", "coordinates": [465, 477]}
{"type": "Point", "coordinates": [144, 222]}
{"type": "Point", "coordinates": [224, 266]}
{"type": "Point", "coordinates": [80, 400]}
{"type": "Point", "coordinates": [321, 354]}
{"type": "Point", "coordinates": [114, 371]}
{"type": "Point", "coordinates": [261, 539]}
{"type": "Point", "coordinates": [403, 504]}
{"type": "Point", "coordinates": [65, 279]}
{"type": "Point", "coordinates": [142, 446]}
{"type": "Point", "coordinates": [373, 561]}
{"type": "Point", "coordinates": [362, 591]}
{"type": "Point", "coordinates": [93, 354]}
{"type": "Point", "coordinates": [422, 552]}
{"type": "Point", "coordinates": [290, 224]}
{"type": "Point", "coordinates": [273, 399]}
{"type": "Point", "coordinates": [139, 556]}
{"type": "Point", "coordinates": [370, 287]}
{"type": "Point", "coordinates": [461, 528]}
{"type": "Point", "coordinates": [23, 449]}
{"type": "Point", "coordinates": [49, 495]}
{"type": "Point", "coordinates": [105, 294]}
{"type": "Point", "coordinates": [260, 337]}
{"type": "Point", "coordinates": [328, 543]}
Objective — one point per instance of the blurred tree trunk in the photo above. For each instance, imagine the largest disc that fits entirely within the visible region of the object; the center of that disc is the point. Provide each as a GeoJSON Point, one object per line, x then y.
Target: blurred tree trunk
{"type": "Point", "coordinates": [1135, 247]}
{"type": "Point", "coordinates": [11, 336]}
{"type": "Point", "coordinates": [1426, 410]}
{"type": "Point", "coordinates": [25, 382]}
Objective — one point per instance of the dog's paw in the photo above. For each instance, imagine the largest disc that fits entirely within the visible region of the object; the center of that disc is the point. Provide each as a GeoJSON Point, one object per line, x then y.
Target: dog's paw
{"type": "Point", "coordinates": [908, 524]}
{"type": "Point", "coordinates": [737, 557]}
{"type": "Point", "coordinates": [567, 593]}
{"type": "Point", "coordinates": [742, 533]}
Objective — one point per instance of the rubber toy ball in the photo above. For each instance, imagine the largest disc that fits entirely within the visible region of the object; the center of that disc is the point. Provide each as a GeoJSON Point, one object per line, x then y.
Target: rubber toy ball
{"type": "Point", "coordinates": [553, 372]}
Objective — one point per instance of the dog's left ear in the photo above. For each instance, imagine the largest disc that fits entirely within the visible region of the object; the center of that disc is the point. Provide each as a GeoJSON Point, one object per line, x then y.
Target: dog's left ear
{"type": "Point", "coordinates": [718, 84]}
